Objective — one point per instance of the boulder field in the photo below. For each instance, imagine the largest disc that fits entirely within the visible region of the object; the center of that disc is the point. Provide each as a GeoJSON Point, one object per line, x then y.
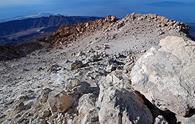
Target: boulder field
{"type": "Point", "coordinates": [136, 70]}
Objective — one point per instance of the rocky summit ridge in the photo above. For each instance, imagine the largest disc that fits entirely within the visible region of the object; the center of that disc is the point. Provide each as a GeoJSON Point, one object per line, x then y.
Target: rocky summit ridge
{"type": "Point", "coordinates": [136, 70]}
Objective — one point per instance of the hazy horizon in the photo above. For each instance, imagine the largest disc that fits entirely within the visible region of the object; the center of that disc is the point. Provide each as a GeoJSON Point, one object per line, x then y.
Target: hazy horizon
{"type": "Point", "coordinates": [182, 10]}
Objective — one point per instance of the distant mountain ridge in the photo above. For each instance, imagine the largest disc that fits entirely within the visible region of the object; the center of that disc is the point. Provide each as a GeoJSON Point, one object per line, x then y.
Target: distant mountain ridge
{"type": "Point", "coordinates": [18, 29]}
{"type": "Point", "coordinates": [21, 17]}
{"type": "Point", "coordinates": [192, 30]}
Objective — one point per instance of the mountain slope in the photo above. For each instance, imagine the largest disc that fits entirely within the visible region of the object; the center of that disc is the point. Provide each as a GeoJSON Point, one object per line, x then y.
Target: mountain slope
{"type": "Point", "coordinates": [83, 75]}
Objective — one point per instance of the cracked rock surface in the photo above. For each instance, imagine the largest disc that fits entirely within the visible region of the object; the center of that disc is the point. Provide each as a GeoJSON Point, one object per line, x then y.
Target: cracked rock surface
{"type": "Point", "coordinates": [166, 75]}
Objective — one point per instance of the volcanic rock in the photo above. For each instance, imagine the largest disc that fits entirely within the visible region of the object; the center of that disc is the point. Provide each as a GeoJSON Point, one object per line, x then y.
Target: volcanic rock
{"type": "Point", "coordinates": [76, 65]}
{"type": "Point", "coordinates": [120, 105]}
{"type": "Point", "coordinates": [60, 102]}
{"type": "Point", "coordinates": [165, 75]}
{"type": "Point", "coordinates": [88, 113]}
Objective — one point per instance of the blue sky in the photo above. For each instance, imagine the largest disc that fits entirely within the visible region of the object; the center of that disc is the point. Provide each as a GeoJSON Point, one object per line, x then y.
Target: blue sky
{"type": "Point", "coordinates": [182, 10]}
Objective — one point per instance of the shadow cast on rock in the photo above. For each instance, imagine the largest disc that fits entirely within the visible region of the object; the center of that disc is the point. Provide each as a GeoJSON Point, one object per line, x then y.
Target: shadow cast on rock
{"type": "Point", "coordinates": [168, 115]}
{"type": "Point", "coordinates": [127, 103]}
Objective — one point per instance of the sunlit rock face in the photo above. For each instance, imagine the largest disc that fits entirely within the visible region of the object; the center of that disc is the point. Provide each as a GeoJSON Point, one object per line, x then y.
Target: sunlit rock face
{"type": "Point", "coordinates": [166, 75]}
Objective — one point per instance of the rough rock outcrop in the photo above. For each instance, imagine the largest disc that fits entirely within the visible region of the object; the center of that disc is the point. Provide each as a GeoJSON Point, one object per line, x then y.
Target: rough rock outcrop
{"type": "Point", "coordinates": [160, 120]}
{"type": "Point", "coordinates": [119, 105]}
{"type": "Point", "coordinates": [189, 120]}
{"type": "Point", "coordinates": [67, 34]}
{"type": "Point", "coordinates": [166, 75]}
{"type": "Point", "coordinates": [87, 111]}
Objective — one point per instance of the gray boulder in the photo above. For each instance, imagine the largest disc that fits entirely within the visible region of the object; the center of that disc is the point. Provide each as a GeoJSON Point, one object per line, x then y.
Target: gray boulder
{"type": "Point", "coordinates": [187, 120]}
{"type": "Point", "coordinates": [76, 65]}
{"type": "Point", "coordinates": [59, 102]}
{"type": "Point", "coordinates": [87, 111]}
{"type": "Point", "coordinates": [166, 75]}
{"type": "Point", "coordinates": [160, 120]}
{"type": "Point", "coordinates": [120, 105]}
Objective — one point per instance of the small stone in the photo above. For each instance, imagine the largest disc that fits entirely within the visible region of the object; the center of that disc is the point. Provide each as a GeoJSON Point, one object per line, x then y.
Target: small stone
{"type": "Point", "coordinates": [76, 65]}
{"type": "Point", "coordinates": [161, 33]}
{"type": "Point", "coordinates": [80, 54]}
{"type": "Point", "coordinates": [121, 24]}
{"type": "Point", "coordinates": [46, 113]}
{"type": "Point", "coordinates": [55, 68]}
{"type": "Point", "coordinates": [40, 69]}
{"type": "Point", "coordinates": [75, 86]}
{"type": "Point", "coordinates": [106, 46]}
{"type": "Point", "coordinates": [87, 112]}
{"type": "Point", "coordinates": [87, 25]}
{"type": "Point", "coordinates": [111, 19]}
{"type": "Point", "coordinates": [185, 120]}
{"type": "Point", "coordinates": [111, 68]}
{"type": "Point", "coordinates": [60, 102]}
{"type": "Point", "coordinates": [160, 120]}
{"type": "Point", "coordinates": [19, 107]}
{"type": "Point", "coordinates": [42, 121]}
{"type": "Point", "coordinates": [44, 95]}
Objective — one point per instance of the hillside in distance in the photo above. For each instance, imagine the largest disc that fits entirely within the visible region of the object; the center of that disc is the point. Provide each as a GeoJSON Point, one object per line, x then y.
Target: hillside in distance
{"type": "Point", "coordinates": [192, 30]}
{"type": "Point", "coordinates": [24, 30]}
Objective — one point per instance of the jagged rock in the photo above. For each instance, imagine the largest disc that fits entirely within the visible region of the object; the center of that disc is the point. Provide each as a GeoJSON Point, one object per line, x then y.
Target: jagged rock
{"type": "Point", "coordinates": [113, 61]}
{"type": "Point", "coordinates": [165, 75]}
{"type": "Point", "coordinates": [55, 68]}
{"type": "Point", "coordinates": [45, 114]}
{"type": "Point", "coordinates": [160, 120]}
{"type": "Point", "coordinates": [111, 19]}
{"type": "Point", "coordinates": [60, 102]}
{"type": "Point", "coordinates": [130, 60]}
{"type": "Point", "coordinates": [87, 111]}
{"type": "Point", "coordinates": [115, 79]}
{"type": "Point", "coordinates": [187, 120]}
{"type": "Point", "coordinates": [106, 46]}
{"type": "Point", "coordinates": [121, 24]}
{"type": "Point", "coordinates": [42, 121]}
{"type": "Point", "coordinates": [76, 65]}
{"type": "Point", "coordinates": [70, 33]}
{"type": "Point", "coordinates": [161, 33]}
{"type": "Point", "coordinates": [111, 68]}
{"type": "Point", "coordinates": [119, 104]}
{"type": "Point", "coordinates": [80, 54]}
{"type": "Point", "coordinates": [58, 119]}
{"type": "Point", "coordinates": [95, 57]}
{"type": "Point", "coordinates": [19, 107]}
{"type": "Point", "coordinates": [44, 95]}
{"type": "Point", "coordinates": [77, 87]}
{"type": "Point", "coordinates": [122, 107]}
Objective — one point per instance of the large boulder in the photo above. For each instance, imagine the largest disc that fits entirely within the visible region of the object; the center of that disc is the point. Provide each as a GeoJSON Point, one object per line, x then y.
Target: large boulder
{"type": "Point", "coordinates": [166, 75]}
{"type": "Point", "coordinates": [119, 104]}
{"type": "Point", "coordinates": [189, 120]}
{"type": "Point", "coordinates": [87, 111]}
